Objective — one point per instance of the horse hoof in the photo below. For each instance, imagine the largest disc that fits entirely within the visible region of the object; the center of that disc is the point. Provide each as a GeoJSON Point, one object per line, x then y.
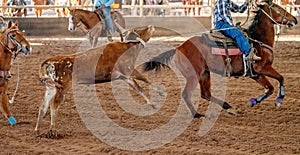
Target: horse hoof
{"type": "Point", "coordinates": [153, 106]}
{"type": "Point", "coordinates": [197, 115]}
{"type": "Point", "coordinates": [12, 120]}
{"type": "Point", "coordinates": [162, 93]}
{"type": "Point", "coordinates": [251, 102]}
{"type": "Point", "coordinates": [278, 102]}
{"type": "Point", "coordinates": [37, 134]}
{"type": "Point", "coordinates": [231, 111]}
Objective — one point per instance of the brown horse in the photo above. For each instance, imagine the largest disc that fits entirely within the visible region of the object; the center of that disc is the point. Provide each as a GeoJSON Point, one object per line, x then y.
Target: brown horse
{"type": "Point", "coordinates": [92, 23]}
{"type": "Point", "coordinates": [187, 11]}
{"type": "Point", "coordinates": [12, 43]}
{"type": "Point", "coordinates": [96, 65]}
{"type": "Point", "coordinates": [194, 59]}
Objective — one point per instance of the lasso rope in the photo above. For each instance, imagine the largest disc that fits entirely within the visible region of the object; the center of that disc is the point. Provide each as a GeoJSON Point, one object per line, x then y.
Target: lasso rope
{"type": "Point", "coordinates": [11, 101]}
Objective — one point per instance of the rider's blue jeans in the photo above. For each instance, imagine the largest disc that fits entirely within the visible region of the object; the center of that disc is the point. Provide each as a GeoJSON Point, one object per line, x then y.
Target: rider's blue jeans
{"type": "Point", "coordinates": [235, 34]}
{"type": "Point", "coordinates": [108, 19]}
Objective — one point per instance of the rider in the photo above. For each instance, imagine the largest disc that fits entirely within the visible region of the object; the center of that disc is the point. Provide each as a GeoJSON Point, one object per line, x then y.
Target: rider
{"type": "Point", "coordinates": [223, 22]}
{"type": "Point", "coordinates": [104, 6]}
{"type": "Point", "coordinates": [10, 2]}
{"type": "Point", "coordinates": [50, 2]}
{"type": "Point", "coordinates": [2, 23]}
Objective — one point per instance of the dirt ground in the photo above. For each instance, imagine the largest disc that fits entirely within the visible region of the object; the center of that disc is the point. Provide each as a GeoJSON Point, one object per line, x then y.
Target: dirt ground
{"type": "Point", "coordinates": [262, 129]}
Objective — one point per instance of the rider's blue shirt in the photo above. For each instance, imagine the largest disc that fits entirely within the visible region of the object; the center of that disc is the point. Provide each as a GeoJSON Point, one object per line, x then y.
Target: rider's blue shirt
{"type": "Point", "coordinates": [107, 3]}
{"type": "Point", "coordinates": [223, 8]}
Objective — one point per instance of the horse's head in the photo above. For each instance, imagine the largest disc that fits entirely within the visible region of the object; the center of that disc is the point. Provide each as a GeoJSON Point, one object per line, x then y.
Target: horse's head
{"type": "Point", "coordinates": [73, 19]}
{"type": "Point", "coordinates": [14, 40]}
{"type": "Point", "coordinates": [145, 33]}
{"type": "Point", "coordinates": [277, 14]}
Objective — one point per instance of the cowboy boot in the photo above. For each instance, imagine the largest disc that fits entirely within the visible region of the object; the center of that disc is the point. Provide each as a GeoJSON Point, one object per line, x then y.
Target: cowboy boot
{"type": "Point", "coordinates": [252, 56]}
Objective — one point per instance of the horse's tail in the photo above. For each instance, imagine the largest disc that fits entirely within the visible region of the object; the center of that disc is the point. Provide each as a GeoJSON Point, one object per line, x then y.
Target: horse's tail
{"type": "Point", "coordinates": [159, 61]}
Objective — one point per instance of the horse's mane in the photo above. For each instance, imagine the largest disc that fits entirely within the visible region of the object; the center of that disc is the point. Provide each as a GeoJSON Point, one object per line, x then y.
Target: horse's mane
{"type": "Point", "coordinates": [256, 18]}
{"type": "Point", "coordinates": [83, 10]}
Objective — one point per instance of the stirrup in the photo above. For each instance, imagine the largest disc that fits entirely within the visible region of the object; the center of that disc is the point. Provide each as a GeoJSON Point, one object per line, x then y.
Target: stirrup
{"type": "Point", "coordinates": [248, 71]}
{"type": "Point", "coordinates": [245, 65]}
{"type": "Point", "coordinates": [252, 56]}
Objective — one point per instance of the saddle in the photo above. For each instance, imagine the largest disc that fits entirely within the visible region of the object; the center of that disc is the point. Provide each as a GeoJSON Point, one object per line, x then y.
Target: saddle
{"type": "Point", "coordinates": [226, 46]}
{"type": "Point", "coordinates": [219, 40]}
{"type": "Point", "coordinates": [100, 15]}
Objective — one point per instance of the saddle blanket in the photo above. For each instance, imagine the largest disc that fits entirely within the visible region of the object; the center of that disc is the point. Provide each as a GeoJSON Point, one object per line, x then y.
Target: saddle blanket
{"type": "Point", "coordinates": [231, 51]}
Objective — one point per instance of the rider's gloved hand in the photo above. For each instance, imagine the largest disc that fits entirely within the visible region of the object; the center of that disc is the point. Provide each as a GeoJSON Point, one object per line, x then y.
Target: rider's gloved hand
{"type": "Point", "coordinates": [102, 6]}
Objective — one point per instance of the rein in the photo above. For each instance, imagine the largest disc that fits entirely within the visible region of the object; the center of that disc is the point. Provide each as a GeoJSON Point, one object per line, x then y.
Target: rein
{"type": "Point", "coordinates": [11, 101]}
{"type": "Point", "coordinates": [262, 44]}
{"type": "Point", "coordinates": [272, 19]}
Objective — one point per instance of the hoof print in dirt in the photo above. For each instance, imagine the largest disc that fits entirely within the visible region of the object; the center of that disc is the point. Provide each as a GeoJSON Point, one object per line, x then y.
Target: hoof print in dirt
{"type": "Point", "coordinates": [51, 135]}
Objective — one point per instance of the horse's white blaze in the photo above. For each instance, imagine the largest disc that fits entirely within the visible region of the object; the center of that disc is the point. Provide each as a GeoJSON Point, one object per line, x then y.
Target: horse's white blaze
{"type": "Point", "coordinates": [71, 26]}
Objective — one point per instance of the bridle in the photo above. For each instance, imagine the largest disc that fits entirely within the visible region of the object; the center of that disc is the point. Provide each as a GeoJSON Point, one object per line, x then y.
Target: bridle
{"type": "Point", "coordinates": [17, 46]}
{"type": "Point", "coordinates": [270, 16]}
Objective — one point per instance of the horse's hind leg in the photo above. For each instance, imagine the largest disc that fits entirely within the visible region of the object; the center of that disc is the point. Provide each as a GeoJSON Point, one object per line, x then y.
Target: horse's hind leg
{"type": "Point", "coordinates": [49, 94]}
{"type": "Point", "coordinates": [190, 86]}
{"type": "Point", "coordinates": [205, 86]}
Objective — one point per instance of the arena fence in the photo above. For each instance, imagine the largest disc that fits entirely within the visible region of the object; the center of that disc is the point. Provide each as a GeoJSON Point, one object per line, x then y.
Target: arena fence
{"type": "Point", "coordinates": [170, 9]}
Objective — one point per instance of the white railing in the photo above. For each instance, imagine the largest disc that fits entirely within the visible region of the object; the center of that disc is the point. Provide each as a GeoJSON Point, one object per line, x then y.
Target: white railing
{"type": "Point", "coordinates": [139, 10]}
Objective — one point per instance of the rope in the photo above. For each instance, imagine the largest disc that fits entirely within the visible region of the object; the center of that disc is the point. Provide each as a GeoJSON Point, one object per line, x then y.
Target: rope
{"type": "Point", "coordinates": [262, 44]}
{"type": "Point", "coordinates": [11, 101]}
{"type": "Point", "coordinates": [276, 23]}
{"type": "Point", "coordinates": [248, 13]}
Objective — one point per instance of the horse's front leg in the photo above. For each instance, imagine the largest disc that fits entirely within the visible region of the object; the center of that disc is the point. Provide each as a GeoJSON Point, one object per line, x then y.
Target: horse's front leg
{"type": "Point", "coordinates": [271, 72]}
{"type": "Point", "coordinates": [137, 75]}
{"type": "Point", "coordinates": [4, 104]}
{"type": "Point", "coordinates": [131, 82]}
{"type": "Point", "coordinates": [138, 89]}
{"type": "Point", "coordinates": [262, 80]}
